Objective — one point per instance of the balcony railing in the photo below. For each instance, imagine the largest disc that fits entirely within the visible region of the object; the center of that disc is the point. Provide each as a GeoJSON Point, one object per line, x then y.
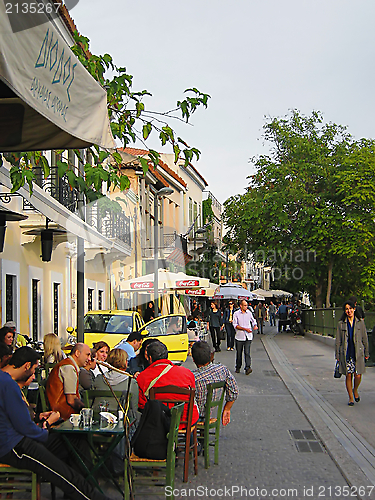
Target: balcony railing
{"type": "Point", "coordinates": [109, 224]}
{"type": "Point", "coordinates": [57, 187]}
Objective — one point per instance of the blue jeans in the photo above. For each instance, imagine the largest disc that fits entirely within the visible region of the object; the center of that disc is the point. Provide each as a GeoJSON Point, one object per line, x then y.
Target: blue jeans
{"type": "Point", "coordinates": [272, 319]}
{"type": "Point", "coordinates": [243, 345]}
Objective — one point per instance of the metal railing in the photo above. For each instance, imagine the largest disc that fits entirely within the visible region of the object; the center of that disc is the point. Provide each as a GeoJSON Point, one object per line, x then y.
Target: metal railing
{"type": "Point", "coordinates": [109, 224]}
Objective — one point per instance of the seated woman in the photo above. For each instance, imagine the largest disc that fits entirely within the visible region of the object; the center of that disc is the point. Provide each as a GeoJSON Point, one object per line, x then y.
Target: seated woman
{"type": "Point", "coordinates": [118, 380]}
{"type": "Point", "coordinates": [52, 349]}
{"type": "Point", "coordinates": [6, 337]}
{"type": "Point", "coordinates": [101, 354]}
{"type": "Point", "coordinates": [86, 374]}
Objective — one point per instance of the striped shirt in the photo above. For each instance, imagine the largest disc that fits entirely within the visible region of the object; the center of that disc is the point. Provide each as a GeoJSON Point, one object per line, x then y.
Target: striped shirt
{"type": "Point", "coordinates": [209, 374]}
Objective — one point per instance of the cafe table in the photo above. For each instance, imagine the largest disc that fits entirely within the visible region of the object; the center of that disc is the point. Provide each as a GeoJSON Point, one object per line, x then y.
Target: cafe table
{"type": "Point", "coordinates": [115, 433]}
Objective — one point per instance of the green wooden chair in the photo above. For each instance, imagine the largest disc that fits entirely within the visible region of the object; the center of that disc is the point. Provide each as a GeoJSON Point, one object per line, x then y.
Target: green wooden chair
{"type": "Point", "coordinates": [92, 397]}
{"type": "Point", "coordinates": [14, 480]}
{"type": "Point", "coordinates": [43, 401]}
{"type": "Point", "coordinates": [187, 437]}
{"type": "Point", "coordinates": [210, 428]}
{"type": "Point", "coordinates": [168, 465]}
{"type": "Point", "coordinates": [47, 368]}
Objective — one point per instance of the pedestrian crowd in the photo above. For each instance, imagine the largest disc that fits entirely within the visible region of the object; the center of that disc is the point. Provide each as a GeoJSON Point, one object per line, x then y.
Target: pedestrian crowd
{"type": "Point", "coordinates": [135, 366]}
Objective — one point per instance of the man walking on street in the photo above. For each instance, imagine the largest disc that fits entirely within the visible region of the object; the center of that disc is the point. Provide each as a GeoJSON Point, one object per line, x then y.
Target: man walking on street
{"type": "Point", "coordinates": [244, 324]}
{"type": "Point", "coordinates": [272, 313]}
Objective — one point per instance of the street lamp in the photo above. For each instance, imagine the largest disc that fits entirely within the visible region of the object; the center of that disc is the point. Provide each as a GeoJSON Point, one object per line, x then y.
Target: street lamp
{"type": "Point", "coordinates": [165, 191]}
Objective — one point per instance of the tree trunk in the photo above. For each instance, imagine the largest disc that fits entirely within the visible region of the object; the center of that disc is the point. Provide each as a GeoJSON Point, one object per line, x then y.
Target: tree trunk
{"type": "Point", "coordinates": [318, 295]}
{"type": "Point", "coordinates": [329, 284]}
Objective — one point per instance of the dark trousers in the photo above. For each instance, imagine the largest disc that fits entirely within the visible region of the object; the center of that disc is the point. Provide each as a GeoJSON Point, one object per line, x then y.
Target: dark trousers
{"type": "Point", "coordinates": [260, 325]}
{"type": "Point", "coordinates": [33, 456]}
{"type": "Point", "coordinates": [272, 319]}
{"type": "Point", "coordinates": [215, 331]}
{"type": "Point", "coordinates": [282, 321]}
{"type": "Point", "coordinates": [230, 334]}
{"type": "Point", "coordinates": [243, 345]}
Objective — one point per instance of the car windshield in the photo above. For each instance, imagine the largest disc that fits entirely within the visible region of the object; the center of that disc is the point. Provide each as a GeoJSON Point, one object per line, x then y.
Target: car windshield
{"type": "Point", "coordinates": [108, 323]}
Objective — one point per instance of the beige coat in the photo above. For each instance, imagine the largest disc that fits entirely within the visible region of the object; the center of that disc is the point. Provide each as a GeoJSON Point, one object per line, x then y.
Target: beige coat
{"type": "Point", "coordinates": [360, 345]}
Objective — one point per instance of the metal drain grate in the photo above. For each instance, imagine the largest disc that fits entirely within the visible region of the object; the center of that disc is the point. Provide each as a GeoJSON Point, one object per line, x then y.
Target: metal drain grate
{"type": "Point", "coordinates": [306, 441]}
{"type": "Point", "coordinates": [270, 373]}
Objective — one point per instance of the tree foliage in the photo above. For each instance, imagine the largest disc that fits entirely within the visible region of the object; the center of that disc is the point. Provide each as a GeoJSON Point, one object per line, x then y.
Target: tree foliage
{"type": "Point", "coordinates": [130, 121]}
{"type": "Point", "coordinates": [309, 208]}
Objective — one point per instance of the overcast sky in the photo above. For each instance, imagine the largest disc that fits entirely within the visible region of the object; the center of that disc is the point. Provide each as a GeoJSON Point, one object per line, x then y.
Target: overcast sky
{"type": "Point", "coordinates": [255, 58]}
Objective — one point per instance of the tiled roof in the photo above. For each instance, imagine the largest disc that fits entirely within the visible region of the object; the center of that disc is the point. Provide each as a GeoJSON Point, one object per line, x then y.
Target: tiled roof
{"type": "Point", "coordinates": [198, 174]}
{"type": "Point", "coordinates": [68, 21]}
{"type": "Point", "coordinates": [164, 166]}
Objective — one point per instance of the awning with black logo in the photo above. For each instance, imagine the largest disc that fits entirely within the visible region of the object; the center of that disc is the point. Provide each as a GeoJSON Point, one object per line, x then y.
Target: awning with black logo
{"type": "Point", "coordinates": [48, 100]}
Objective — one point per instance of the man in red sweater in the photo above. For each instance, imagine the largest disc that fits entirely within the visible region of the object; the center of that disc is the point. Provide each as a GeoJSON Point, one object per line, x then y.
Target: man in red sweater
{"type": "Point", "coordinates": [161, 372]}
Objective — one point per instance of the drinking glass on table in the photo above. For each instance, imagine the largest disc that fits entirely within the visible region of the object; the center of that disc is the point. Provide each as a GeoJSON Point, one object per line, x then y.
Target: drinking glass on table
{"type": "Point", "coordinates": [87, 416]}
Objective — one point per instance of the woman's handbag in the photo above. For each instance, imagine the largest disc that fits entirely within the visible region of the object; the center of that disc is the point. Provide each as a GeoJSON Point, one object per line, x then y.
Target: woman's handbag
{"type": "Point", "coordinates": [336, 373]}
{"type": "Point", "coordinates": [221, 334]}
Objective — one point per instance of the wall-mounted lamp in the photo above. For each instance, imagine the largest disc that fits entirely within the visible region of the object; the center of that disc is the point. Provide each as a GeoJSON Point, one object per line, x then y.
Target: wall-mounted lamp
{"type": "Point", "coordinates": [46, 240]}
{"type": "Point", "coordinates": [7, 216]}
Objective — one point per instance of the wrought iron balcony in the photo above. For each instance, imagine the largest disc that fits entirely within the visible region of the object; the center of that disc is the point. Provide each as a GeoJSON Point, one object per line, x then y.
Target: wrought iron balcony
{"type": "Point", "coordinates": [108, 223]}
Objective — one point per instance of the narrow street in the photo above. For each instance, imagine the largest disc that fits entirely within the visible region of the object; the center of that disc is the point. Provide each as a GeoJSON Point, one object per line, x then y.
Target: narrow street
{"type": "Point", "coordinates": [292, 434]}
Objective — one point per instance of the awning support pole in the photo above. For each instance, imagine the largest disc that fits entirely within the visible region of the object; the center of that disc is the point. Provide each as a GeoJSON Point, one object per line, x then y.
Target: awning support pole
{"type": "Point", "coordinates": [80, 266]}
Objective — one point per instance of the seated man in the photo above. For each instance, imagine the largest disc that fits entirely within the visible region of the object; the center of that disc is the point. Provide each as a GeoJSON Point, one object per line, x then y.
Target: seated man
{"type": "Point", "coordinates": [63, 382]}
{"type": "Point", "coordinates": [208, 373]}
{"type": "Point", "coordinates": [161, 372]}
{"type": "Point", "coordinates": [131, 344]}
{"type": "Point", "coordinates": [21, 439]}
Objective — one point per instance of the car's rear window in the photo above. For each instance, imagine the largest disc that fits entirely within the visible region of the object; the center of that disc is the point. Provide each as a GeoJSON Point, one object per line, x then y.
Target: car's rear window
{"type": "Point", "coordinates": [108, 323]}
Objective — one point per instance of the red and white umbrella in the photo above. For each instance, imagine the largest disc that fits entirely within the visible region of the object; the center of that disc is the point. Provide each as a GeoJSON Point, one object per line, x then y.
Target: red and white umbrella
{"type": "Point", "coordinates": [166, 281]}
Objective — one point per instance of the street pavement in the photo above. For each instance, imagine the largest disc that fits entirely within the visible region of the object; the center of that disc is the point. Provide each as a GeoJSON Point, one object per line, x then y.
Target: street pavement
{"type": "Point", "coordinates": [292, 434]}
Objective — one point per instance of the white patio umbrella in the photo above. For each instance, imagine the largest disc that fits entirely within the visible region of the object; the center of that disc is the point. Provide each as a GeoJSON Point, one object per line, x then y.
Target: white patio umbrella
{"type": "Point", "coordinates": [233, 291]}
{"type": "Point", "coordinates": [167, 281]}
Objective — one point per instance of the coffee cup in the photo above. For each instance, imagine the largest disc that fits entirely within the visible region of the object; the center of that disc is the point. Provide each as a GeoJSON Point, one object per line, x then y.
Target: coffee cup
{"type": "Point", "coordinates": [75, 419]}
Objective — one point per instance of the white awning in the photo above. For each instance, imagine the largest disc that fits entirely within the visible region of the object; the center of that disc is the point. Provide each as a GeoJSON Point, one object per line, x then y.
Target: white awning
{"type": "Point", "coordinates": [166, 280]}
{"type": "Point", "coordinates": [48, 100]}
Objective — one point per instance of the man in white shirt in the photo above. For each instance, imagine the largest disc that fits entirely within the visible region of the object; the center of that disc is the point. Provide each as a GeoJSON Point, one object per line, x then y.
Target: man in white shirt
{"type": "Point", "coordinates": [244, 323]}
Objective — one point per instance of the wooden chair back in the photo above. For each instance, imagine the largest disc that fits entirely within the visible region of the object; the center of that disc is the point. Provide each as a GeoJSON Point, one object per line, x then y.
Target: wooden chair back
{"type": "Point", "coordinates": [186, 396]}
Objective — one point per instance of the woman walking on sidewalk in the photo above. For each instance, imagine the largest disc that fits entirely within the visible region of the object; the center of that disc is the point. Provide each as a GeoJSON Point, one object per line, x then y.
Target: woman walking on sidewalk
{"type": "Point", "coordinates": [215, 323]}
{"type": "Point", "coordinates": [351, 349]}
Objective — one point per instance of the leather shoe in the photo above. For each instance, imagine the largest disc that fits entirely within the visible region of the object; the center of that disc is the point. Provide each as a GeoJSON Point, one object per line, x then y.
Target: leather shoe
{"type": "Point", "coordinates": [238, 371]}
{"type": "Point", "coordinates": [248, 371]}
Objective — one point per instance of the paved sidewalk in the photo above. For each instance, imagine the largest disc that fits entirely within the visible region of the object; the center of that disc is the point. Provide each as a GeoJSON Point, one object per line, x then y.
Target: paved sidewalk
{"type": "Point", "coordinates": [259, 457]}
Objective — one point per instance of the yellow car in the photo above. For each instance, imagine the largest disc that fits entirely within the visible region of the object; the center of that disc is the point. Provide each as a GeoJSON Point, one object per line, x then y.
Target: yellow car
{"type": "Point", "coordinates": [114, 326]}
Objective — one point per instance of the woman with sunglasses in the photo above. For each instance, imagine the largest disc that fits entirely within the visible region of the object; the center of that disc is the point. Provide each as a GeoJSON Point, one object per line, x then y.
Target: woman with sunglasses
{"type": "Point", "coordinates": [228, 322]}
{"type": "Point", "coordinates": [351, 349]}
